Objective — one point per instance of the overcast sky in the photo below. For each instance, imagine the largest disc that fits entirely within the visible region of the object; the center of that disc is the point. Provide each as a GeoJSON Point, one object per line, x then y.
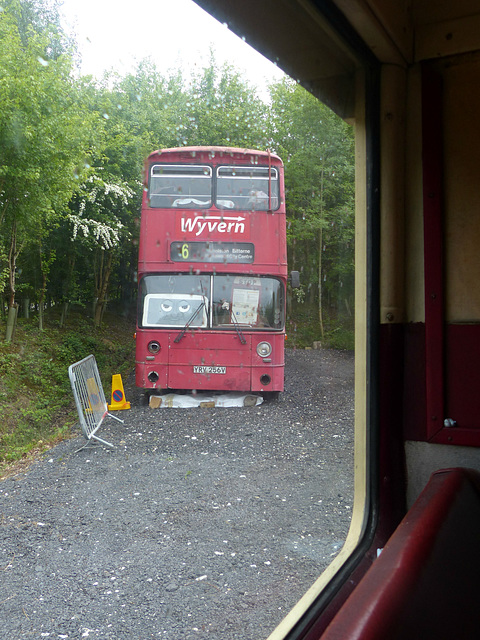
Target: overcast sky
{"type": "Point", "coordinates": [173, 33]}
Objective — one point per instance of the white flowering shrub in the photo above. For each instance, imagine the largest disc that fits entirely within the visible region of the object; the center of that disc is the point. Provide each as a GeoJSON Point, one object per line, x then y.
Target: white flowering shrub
{"type": "Point", "coordinates": [105, 234]}
{"type": "Point", "coordinates": [96, 218]}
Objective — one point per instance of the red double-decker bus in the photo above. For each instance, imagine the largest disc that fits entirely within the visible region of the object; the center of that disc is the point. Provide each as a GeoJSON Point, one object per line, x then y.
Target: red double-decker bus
{"type": "Point", "coordinates": [212, 271]}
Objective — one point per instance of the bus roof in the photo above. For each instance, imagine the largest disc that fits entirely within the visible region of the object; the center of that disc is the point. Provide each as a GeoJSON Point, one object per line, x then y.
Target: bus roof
{"type": "Point", "coordinates": [190, 152]}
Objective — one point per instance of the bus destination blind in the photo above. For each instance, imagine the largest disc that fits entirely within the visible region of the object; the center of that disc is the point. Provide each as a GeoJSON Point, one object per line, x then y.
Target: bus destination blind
{"type": "Point", "coordinates": [220, 252]}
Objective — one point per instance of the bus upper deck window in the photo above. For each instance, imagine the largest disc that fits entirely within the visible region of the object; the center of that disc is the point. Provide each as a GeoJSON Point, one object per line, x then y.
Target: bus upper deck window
{"type": "Point", "coordinates": [247, 188]}
{"type": "Point", "coordinates": [180, 186]}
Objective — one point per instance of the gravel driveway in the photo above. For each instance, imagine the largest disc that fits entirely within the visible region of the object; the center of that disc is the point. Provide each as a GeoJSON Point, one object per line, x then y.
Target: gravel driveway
{"type": "Point", "coordinates": [201, 523]}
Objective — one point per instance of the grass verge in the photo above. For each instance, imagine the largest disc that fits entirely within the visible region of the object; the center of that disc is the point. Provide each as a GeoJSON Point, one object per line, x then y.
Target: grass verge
{"type": "Point", "coordinates": [36, 400]}
{"type": "Point", "coordinates": [303, 329]}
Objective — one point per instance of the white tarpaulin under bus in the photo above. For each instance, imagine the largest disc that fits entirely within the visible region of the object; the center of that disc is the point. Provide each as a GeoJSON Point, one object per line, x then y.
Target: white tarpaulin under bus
{"type": "Point", "coordinates": [186, 401]}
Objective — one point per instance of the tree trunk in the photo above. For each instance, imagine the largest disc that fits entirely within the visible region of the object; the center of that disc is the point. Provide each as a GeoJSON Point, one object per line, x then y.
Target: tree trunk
{"type": "Point", "coordinates": [11, 322]}
{"type": "Point", "coordinates": [102, 281]}
{"type": "Point", "coordinates": [40, 316]}
{"type": "Point", "coordinates": [43, 288]}
{"type": "Point", "coordinates": [12, 306]}
{"type": "Point", "coordinates": [66, 289]}
{"type": "Point", "coordinates": [63, 316]}
{"type": "Point", "coordinates": [320, 253]}
{"type": "Point", "coordinates": [320, 276]}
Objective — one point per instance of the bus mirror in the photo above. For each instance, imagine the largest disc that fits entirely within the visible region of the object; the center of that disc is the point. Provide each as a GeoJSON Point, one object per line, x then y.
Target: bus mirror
{"type": "Point", "coordinates": [295, 279]}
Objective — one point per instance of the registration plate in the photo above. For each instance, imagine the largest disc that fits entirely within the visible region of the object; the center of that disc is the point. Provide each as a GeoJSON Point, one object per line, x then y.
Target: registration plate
{"type": "Point", "coordinates": [206, 369]}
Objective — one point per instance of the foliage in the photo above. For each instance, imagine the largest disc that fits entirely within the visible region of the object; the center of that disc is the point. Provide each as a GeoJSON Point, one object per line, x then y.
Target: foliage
{"type": "Point", "coordinates": [35, 394]}
{"type": "Point", "coordinates": [340, 337]}
{"type": "Point", "coordinates": [45, 135]}
{"type": "Point", "coordinates": [71, 163]}
{"type": "Point", "coordinates": [303, 329]}
{"type": "Point", "coordinates": [40, 17]}
{"type": "Point", "coordinates": [317, 148]}
{"type": "Point", "coordinates": [225, 111]}
{"type": "Point", "coordinates": [74, 149]}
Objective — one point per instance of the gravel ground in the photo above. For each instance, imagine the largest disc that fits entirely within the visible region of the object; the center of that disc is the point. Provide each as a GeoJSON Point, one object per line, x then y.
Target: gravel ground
{"type": "Point", "coordinates": [201, 523]}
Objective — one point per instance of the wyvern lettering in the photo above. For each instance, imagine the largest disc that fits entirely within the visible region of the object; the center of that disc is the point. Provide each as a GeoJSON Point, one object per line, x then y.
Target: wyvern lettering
{"type": "Point", "coordinates": [221, 224]}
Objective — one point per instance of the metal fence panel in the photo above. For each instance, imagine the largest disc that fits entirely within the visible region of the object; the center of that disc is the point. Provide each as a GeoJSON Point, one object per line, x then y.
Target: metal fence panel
{"type": "Point", "coordinates": [89, 397]}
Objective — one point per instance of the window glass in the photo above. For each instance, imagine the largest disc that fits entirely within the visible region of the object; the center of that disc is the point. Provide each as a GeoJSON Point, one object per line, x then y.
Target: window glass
{"type": "Point", "coordinates": [174, 300]}
{"type": "Point", "coordinates": [250, 301]}
{"type": "Point", "coordinates": [247, 188]}
{"type": "Point", "coordinates": [256, 302]}
{"type": "Point", "coordinates": [180, 186]}
{"type": "Point", "coordinates": [174, 310]}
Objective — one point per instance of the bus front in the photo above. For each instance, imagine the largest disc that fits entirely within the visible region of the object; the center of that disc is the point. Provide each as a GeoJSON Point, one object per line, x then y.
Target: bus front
{"type": "Point", "coordinates": [212, 272]}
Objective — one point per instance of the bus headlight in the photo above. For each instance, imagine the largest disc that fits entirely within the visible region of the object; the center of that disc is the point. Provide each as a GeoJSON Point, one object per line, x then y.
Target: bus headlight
{"type": "Point", "coordinates": [153, 346]}
{"type": "Point", "coordinates": [153, 377]}
{"type": "Point", "coordinates": [264, 349]}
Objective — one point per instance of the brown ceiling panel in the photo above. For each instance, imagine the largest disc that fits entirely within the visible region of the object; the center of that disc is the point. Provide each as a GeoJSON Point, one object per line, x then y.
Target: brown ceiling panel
{"type": "Point", "coordinates": [294, 35]}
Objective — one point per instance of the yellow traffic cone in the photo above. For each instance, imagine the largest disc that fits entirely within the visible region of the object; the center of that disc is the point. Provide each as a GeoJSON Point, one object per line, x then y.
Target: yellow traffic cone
{"type": "Point", "coordinates": [118, 395]}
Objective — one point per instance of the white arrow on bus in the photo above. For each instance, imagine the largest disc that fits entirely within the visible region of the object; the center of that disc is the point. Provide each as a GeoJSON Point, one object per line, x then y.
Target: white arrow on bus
{"type": "Point", "coordinates": [234, 218]}
{"type": "Point", "coordinates": [221, 224]}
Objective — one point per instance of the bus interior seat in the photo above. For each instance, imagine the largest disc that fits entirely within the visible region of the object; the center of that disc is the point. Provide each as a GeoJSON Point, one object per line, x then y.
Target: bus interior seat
{"type": "Point", "coordinates": [426, 581]}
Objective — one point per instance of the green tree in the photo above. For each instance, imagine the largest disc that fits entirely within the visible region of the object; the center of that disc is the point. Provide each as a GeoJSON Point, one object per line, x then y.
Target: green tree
{"type": "Point", "coordinates": [40, 17]}
{"type": "Point", "coordinates": [224, 110]}
{"type": "Point", "coordinates": [96, 223]}
{"type": "Point", "coordinates": [144, 111]}
{"type": "Point", "coordinates": [317, 148]}
{"type": "Point", "coordinates": [45, 139]}
{"type": "Point", "coordinates": [153, 109]}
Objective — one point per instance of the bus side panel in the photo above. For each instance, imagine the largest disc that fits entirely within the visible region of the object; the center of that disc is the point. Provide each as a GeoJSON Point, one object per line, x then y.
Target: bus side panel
{"type": "Point", "coordinates": [155, 238]}
{"type": "Point", "coordinates": [276, 373]}
{"type": "Point", "coordinates": [274, 252]}
{"type": "Point", "coordinates": [145, 362]}
{"type": "Point", "coordinates": [245, 369]}
{"type": "Point", "coordinates": [275, 370]}
{"type": "Point", "coordinates": [195, 350]}
{"type": "Point", "coordinates": [141, 375]}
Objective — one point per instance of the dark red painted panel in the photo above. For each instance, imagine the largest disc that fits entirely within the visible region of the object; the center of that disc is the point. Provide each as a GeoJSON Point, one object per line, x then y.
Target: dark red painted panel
{"type": "Point", "coordinates": [461, 390]}
{"type": "Point", "coordinates": [432, 140]}
{"type": "Point", "coordinates": [425, 582]}
{"type": "Point", "coordinates": [463, 375]}
{"type": "Point", "coordinates": [414, 406]}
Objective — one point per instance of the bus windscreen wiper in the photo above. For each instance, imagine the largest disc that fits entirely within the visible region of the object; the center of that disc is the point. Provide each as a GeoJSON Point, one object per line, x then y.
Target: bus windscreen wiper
{"type": "Point", "coordinates": [189, 321]}
{"type": "Point", "coordinates": [237, 328]}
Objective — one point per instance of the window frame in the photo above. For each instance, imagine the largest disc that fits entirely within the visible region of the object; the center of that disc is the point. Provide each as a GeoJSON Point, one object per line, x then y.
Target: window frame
{"type": "Point", "coordinates": [209, 294]}
{"type": "Point", "coordinates": [186, 169]}
{"type": "Point", "coordinates": [272, 177]}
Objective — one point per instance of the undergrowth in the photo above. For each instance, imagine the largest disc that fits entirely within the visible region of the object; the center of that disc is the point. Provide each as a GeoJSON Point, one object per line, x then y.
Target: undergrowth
{"type": "Point", "coordinates": [36, 401]}
{"type": "Point", "coordinates": [303, 329]}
